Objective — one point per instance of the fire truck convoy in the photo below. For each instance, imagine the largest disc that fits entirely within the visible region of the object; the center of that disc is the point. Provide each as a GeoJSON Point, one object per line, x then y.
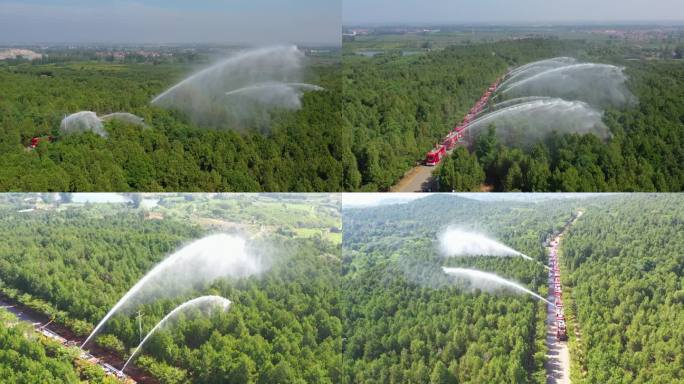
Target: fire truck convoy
{"type": "Point", "coordinates": [455, 136]}
{"type": "Point", "coordinates": [554, 277]}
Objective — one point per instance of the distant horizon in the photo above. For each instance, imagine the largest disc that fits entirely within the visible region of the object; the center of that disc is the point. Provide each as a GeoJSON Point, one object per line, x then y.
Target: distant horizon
{"type": "Point", "coordinates": [666, 23]}
{"type": "Point", "coordinates": [13, 44]}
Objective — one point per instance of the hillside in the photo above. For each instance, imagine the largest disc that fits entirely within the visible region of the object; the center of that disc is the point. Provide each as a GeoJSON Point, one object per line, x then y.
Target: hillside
{"type": "Point", "coordinates": [405, 321]}
{"type": "Point", "coordinates": [75, 261]}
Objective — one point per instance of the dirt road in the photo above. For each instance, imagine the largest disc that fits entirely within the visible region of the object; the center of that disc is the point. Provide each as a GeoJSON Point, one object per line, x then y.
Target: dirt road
{"type": "Point", "coordinates": [558, 355]}
{"type": "Point", "coordinates": [37, 320]}
{"type": "Point", "coordinates": [418, 179]}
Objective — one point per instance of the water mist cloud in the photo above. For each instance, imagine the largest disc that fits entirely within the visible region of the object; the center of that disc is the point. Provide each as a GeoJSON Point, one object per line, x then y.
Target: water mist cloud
{"type": "Point", "coordinates": [241, 91]}
{"type": "Point", "coordinates": [202, 303]}
{"type": "Point", "coordinates": [283, 95]}
{"type": "Point", "coordinates": [558, 95]}
{"type": "Point", "coordinates": [457, 242]}
{"type": "Point", "coordinates": [80, 122]}
{"type": "Point", "coordinates": [196, 264]}
{"type": "Point", "coordinates": [486, 281]}
{"type": "Point", "coordinates": [88, 121]}
{"type": "Point", "coordinates": [534, 119]}
{"type": "Point", "coordinates": [601, 85]}
{"type": "Point", "coordinates": [533, 68]}
{"type": "Point", "coordinates": [124, 117]}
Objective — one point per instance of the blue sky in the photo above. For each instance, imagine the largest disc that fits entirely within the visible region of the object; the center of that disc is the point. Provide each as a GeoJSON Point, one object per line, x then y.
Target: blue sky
{"type": "Point", "coordinates": [509, 11]}
{"type": "Point", "coordinates": [253, 22]}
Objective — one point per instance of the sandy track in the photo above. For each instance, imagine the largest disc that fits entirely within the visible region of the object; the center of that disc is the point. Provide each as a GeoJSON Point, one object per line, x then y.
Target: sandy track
{"type": "Point", "coordinates": [418, 179]}
{"type": "Point", "coordinates": [558, 356]}
{"type": "Point", "coordinates": [36, 318]}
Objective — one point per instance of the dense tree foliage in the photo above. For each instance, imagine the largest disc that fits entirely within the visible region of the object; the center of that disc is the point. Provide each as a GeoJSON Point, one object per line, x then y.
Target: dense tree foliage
{"type": "Point", "coordinates": [385, 314]}
{"type": "Point", "coordinates": [79, 262]}
{"type": "Point", "coordinates": [405, 322]}
{"type": "Point", "coordinates": [460, 172]}
{"type": "Point", "coordinates": [283, 326]}
{"type": "Point", "coordinates": [301, 151]}
{"type": "Point", "coordinates": [626, 260]}
{"type": "Point", "coordinates": [644, 154]}
{"type": "Point", "coordinates": [398, 107]}
{"type": "Point", "coordinates": [27, 358]}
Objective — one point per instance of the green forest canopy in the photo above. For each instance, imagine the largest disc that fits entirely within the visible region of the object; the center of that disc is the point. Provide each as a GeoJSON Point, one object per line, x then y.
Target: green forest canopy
{"type": "Point", "coordinates": [388, 317]}
{"type": "Point", "coordinates": [399, 106]}
{"type": "Point", "coordinates": [624, 258]}
{"type": "Point", "coordinates": [302, 151]}
{"type": "Point", "coordinates": [77, 261]}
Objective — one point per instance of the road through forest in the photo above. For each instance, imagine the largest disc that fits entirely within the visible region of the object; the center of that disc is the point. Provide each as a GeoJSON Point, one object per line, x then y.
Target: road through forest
{"type": "Point", "coordinates": [39, 320]}
{"type": "Point", "coordinates": [558, 354]}
{"type": "Point", "coordinates": [418, 179]}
